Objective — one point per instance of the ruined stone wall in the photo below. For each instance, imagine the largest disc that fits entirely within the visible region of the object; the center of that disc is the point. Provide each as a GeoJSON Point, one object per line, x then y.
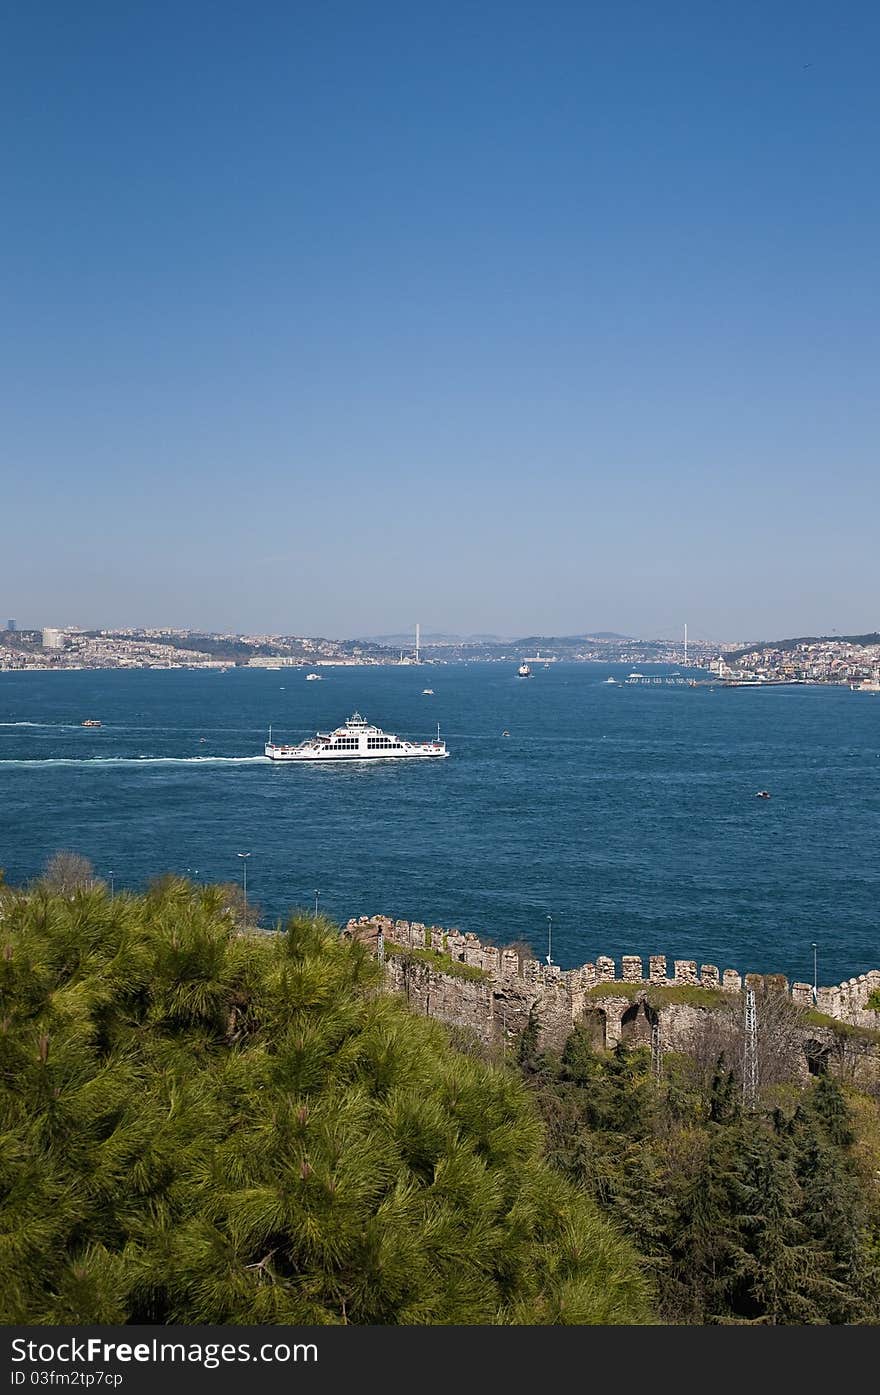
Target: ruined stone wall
{"type": "Point", "coordinates": [497, 1002]}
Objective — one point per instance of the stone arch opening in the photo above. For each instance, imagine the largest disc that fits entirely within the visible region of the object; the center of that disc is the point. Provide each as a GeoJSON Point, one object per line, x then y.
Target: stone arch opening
{"type": "Point", "coordinates": [595, 1025]}
{"type": "Point", "coordinates": [818, 1055]}
{"type": "Point", "coordinates": [635, 1025]}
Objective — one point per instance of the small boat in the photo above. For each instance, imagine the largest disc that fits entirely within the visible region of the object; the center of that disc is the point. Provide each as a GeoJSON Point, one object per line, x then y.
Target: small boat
{"type": "Point", "coordinates": [524, 671]}
{"type": "Point", "coordinates": [427, 692]}
{"type": "Point", "coordinates": [313, 677]}
{"type": "Point", "coordinates": [763, 794]}
{"type": "Point", "coordinates": [90, 722]}
{"type": "Point", "coordinates": [505, 733]}
{"type": "Point", "coordinates": [610, 680]}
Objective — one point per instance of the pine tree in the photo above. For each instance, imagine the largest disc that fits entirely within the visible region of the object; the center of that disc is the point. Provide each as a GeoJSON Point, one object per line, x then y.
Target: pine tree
{"type": "Point", "coordinates": [204, 1126]}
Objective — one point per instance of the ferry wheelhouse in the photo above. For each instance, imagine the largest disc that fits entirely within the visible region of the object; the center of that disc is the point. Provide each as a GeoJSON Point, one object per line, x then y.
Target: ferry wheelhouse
{"type": "Point", "coordinates": [357, 739]}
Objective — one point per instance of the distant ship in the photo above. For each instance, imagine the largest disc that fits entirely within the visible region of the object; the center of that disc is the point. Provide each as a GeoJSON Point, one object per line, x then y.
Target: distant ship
{"type": "Point", "coordinates": [90, 722]}
{"type": "Point", "coordinates": [313, 677]}
{"type": "Point", "coordinates": [356, 740]}
{"type": "Point", "coordinates": [427, 692]}
{"type": "Point", "coordinates": [524, 671]}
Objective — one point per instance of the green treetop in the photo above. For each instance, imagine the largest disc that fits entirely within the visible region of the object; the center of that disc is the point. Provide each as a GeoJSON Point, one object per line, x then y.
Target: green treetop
{"type": "Point", "coordinates": [204, 1126]}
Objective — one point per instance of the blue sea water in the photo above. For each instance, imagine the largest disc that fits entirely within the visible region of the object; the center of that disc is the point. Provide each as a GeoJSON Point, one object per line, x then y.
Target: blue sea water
{"type": "Point", "coordinates": [627, 813]}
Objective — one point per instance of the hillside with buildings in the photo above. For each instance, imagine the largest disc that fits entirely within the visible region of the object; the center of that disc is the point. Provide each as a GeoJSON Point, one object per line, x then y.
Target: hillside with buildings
{"type": "Point", "coordinates": [55, 648]}
{"type": "Point", "coordinates": [836, 659]}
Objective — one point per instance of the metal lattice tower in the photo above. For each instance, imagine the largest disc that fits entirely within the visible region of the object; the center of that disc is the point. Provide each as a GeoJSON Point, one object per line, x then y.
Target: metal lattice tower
{"type": "Point", "coordinates": [750, 1052]}
{"type": "Point", "coordinates": [656, 1050]}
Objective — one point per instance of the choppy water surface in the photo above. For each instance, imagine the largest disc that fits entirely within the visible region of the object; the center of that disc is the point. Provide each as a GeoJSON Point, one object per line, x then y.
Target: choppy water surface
{"type": "Point", "coordinates": [628, 813]}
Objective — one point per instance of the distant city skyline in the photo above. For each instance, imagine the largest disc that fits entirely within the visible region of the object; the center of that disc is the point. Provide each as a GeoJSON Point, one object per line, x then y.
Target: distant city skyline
{"type": "Point", "coordinates": [330, 319]}
{"type": "Point", "coordinates": [405, 638]}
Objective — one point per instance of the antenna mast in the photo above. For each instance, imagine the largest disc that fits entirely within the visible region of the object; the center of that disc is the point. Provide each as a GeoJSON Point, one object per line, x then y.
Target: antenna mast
{"type": "Point", "coordinates": [750, 1052]}
{"type": "Point", "coordinates": [656, 1051]}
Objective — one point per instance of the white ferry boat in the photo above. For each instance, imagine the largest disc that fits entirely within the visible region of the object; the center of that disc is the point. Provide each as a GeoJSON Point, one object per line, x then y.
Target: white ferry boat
{"type": "Point", "coordinates": [356, 740]}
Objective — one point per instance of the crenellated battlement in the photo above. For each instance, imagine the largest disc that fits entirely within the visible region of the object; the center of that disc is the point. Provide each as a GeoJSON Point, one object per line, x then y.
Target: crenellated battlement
{"type": "Point", "coordinates": [513, 980]}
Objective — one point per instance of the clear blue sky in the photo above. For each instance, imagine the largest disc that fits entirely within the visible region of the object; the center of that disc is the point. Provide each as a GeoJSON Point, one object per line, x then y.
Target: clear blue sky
{"type": "Point", "coordinates": [512, 317]}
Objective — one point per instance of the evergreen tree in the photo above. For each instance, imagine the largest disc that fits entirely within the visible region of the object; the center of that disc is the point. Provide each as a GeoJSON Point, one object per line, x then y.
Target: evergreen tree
{"type": "Point", "coordinates": [757, 1219]}
{"type": "Point", "coordinates": [204, 1126]}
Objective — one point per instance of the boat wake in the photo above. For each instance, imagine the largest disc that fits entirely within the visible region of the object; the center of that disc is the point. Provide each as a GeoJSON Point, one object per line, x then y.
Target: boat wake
{"type": "Point", "coordinates": [142, 760]}
{"type": "Point", "coordinates": [46, 726]}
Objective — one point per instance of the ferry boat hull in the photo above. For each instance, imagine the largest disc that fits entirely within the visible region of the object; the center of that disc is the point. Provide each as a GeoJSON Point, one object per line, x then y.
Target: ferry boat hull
{"type": "Point", "coordinates": [357, 740]}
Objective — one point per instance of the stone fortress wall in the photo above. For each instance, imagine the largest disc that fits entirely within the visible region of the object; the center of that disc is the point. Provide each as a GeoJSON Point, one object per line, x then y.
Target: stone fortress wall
{"type": "Point", "coordinates": [504, 988]}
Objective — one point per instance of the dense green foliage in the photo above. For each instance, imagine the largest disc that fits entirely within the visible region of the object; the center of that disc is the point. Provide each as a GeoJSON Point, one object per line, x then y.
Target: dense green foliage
{"type": "Point", "coordinates": [204, 1126]}
{"type": "Point", "coordinates": [764, 1217]}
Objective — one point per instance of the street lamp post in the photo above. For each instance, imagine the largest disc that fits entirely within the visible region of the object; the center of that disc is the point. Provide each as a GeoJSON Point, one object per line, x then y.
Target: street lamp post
{"type": "Point", "coordinates": [110, 875]}
{"type": "Point", "coordinates": [815, 973]}
{"type": "Point", "coordinates": [244, 857]}
{"type": "Point", "coordinates": [317, 894]}
{"type": "Point", "coordinates": [549, 939]}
